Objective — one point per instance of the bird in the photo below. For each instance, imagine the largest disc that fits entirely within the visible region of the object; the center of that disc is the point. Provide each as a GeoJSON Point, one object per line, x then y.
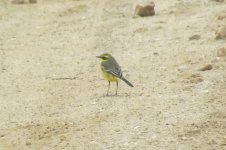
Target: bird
{"type": "Point", "coordinates": [111, 71]}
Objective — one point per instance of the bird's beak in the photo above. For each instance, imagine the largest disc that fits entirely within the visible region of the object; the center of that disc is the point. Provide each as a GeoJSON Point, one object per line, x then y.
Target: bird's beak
{"type": "Point", "coordinates": [98, 56]}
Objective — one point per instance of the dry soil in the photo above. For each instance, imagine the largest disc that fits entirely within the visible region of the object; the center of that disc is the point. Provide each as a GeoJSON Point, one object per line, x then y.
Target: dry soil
{"type": "Point", "coordinates": [52, 94]}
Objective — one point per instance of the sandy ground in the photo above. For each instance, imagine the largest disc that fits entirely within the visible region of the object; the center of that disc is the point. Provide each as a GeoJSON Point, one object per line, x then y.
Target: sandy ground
{"type": "Point", "coordinates": [52, 96]}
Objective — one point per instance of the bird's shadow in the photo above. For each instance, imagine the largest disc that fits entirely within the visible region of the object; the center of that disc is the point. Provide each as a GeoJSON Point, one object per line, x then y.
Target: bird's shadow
{"type": "Point", "coordinates": [113, 95]}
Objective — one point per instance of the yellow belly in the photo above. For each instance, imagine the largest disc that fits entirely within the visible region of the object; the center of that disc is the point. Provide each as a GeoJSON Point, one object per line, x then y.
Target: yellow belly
{"type": "Point", "coordinates": [108, 76]}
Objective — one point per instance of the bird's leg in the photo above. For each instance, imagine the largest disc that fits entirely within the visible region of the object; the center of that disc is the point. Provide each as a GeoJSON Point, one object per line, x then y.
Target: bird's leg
{"type": "Point", "coordinates": [109, 84]}
{"type": "Point", "coordinates": [116, 87]}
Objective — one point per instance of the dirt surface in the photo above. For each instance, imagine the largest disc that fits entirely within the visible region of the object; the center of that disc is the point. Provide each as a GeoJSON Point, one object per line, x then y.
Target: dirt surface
{"type": "Point", "coordinates": [52, 94]}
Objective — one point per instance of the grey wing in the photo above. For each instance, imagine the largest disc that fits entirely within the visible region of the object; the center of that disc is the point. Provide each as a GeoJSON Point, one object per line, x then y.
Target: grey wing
{"type": "Point", "coordinates": [116, 71]}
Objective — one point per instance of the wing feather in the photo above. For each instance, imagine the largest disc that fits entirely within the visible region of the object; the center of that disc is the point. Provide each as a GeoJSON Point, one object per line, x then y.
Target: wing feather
{"type": "Point", "coordinates": [116, 71]}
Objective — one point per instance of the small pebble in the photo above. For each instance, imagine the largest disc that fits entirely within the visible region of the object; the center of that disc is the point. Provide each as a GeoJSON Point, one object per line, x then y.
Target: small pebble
{"type": "Point", "coordinates": [144, 11]}
{"type": "Point", "coordinates": [156, 53]}
{"type": "Point", "coordinates": [28, 143]}
{"type": "Point", "coordinates": [218, 0]}
{"type": "Point", "coordinates": [207, 67]}
{"type": "Point", "coordinates": [221, 33]}
{"type": "Point", "coordinates": [194, 37]}
{"type": "Point", "coordinates": [183, 68]}
{"type": "Point", "coordinates": [221, 17]}
{"type": "Point", "coordinates": [117, 130]}
{"type": "Point", "coordinates": [2, 135]}
{"type": "Point", "coordinates": [221, 52]}
{"type": "Point", "coordinates": [32, 1]}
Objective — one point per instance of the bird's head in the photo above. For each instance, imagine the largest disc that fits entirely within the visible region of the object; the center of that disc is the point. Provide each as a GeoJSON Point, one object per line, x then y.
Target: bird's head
{"type": "Point", "coordinates": [104, 56]}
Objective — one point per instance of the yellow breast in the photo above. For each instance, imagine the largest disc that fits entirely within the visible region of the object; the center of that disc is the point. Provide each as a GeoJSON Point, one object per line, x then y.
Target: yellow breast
{"type": "Point", "coordinates": [107, 76]}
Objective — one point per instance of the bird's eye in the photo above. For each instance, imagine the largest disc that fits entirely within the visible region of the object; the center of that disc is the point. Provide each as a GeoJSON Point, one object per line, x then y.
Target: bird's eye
{"type": "Point", "coordinates": [105, 57]}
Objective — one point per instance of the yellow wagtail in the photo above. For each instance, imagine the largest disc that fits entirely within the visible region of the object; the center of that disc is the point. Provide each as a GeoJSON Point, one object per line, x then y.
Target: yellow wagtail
{"type": "Point", "coordinates": [111, 71]}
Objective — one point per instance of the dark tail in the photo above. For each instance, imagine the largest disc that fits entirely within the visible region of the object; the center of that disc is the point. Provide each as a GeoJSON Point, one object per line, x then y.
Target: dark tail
{"type": "Point", "coordinates": [127, 82]}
